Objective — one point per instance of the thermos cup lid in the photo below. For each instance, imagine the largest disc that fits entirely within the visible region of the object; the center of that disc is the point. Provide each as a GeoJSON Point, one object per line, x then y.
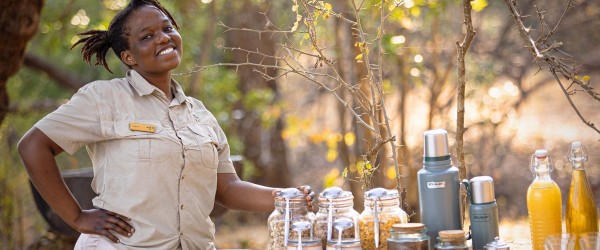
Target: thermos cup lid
{"type": "Point", "coordinates": [435, 143]}
{"type": "Point", "coordinates": [482, 190]}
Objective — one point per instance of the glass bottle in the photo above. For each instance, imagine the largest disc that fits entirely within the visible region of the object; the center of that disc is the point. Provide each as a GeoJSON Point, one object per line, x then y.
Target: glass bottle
{"type": "Point", "coordinates": [382, 210]}
{"type": "Point", "coordinates": [543, 201]}
{"type": "Point", "coordinates": [408, 236]}
{"type": "Point", "coordinates": [332, 208]}
{"type": "Point", "coordinates": [452, 239]}
{"type": "Point", "coordinates": [582, 216]}
{"type": "Point", "coordinates": [290, 207]}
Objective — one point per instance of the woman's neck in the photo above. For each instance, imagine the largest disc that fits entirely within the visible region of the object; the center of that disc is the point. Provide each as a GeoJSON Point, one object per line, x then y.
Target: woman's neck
{"type": "Point", "coordinates": [162, 82]}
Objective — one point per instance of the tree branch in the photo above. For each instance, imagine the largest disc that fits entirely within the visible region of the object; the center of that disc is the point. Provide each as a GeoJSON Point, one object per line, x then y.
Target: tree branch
{"type": "Point", "coordinates": [63, 78]}
{"type": "Point", "coordinates": [462, 48]}
{"type": "Point", "coordinates": [551, 55]}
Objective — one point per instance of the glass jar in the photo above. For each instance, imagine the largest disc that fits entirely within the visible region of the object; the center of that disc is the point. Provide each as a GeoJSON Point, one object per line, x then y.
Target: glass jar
{"type": "Point", "coordinates": [339, 207]}
{"type": "Point", "coordinates": [408, 236]}
{"type": "Point", "coordinates": [307, 244]}
{"type": "Point", "coordinates": [382, 210]}
{"type": "Point", "coordinates": [452, 239]}
{"type": "Point", "coordinates": [295, 208]}
{"type": "Point", "coordinates": [347, 244]}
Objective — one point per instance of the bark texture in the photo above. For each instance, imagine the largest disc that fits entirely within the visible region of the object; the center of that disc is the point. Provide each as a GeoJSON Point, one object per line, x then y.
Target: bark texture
{"type": "Point", "coordinates": [19, 21]}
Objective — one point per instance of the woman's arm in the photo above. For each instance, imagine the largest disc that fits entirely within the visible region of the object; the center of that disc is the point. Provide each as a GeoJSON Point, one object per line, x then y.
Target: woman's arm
{"type": "Point", "coordinates": [236, 194]}
{"type": "Point", "coordinates": [37, 152]}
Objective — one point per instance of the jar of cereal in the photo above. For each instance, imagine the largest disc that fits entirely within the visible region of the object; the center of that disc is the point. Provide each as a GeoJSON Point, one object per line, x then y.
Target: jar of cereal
{"type": "Point", "coordinates": [382, 210]}
{"type": "Point", "coordinates": [290, 206]}
{"type": "Point", "coordinates": [334, 203]}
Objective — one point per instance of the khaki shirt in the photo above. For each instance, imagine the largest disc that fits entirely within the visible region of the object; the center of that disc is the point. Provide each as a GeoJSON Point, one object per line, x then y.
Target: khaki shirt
{"type": "Point", "coordinates": [155, 162]}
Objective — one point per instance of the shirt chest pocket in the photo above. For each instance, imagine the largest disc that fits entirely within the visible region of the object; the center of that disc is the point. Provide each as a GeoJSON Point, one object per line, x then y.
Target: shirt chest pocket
{"type": "Point", "coordinates": [140, 146]}
{"type": "Point", "coordinates": [203, 146]}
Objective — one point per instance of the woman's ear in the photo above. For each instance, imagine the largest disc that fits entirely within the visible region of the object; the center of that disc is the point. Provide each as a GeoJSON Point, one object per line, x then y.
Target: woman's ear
{"type": "Point", "coordinates": [127, 58]}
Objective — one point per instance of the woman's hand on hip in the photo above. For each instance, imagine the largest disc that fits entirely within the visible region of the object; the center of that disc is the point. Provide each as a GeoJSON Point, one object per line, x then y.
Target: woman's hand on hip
{"type": "Point", "coordinates": [105, 223]}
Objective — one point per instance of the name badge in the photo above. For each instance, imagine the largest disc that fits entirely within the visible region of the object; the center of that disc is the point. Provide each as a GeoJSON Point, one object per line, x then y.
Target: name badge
{"type": "Point", "coordinates": [142, 127]}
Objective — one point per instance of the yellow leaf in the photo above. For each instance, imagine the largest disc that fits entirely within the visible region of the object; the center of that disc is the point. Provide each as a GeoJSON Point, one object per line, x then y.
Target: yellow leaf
{"type": "Point", "coordinates": [586, 78]}
{"type": "Point", "coordinates": [331, 155]}
{"type": "Point", "coordinates": [416, 11]}
{"type": "Point", "coordinates": [345, 173]}
{"type": "Point", "coordinates": [368, 165]}
{"type": "Point", "coordinates": [330, 178]}
{"type": "Point", "coordinates": [479, 5]}
{"type": "Point", "coordinates": [296, 24]}
{"type": "Point", "coordinates": [295, 8]}
{"type": "Point", "coordinates": [349, 138]}
{"type": "Point", "coordinates": [360, 167]}
{"type": "Point", "coordinates": [391, 173]}
{"type": "Point", "coordinates": [359, 57]}
{"type": "Point", "coordinates": [328, 6]}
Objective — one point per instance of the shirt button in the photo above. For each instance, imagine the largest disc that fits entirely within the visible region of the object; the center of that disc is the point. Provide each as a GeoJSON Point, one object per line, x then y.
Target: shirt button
{"type": "Point", "coordinates": [181, 207]}
{"type": "Point", "coordinates": [182, 177]}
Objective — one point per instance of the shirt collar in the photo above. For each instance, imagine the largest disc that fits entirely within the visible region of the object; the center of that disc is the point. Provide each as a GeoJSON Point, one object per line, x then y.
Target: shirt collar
{"type": "Point", "coordinates": [143, 87]}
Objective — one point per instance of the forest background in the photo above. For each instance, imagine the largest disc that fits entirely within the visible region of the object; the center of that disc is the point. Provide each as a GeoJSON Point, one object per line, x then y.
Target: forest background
{"type": "Point", "coordinates": [289, 131]}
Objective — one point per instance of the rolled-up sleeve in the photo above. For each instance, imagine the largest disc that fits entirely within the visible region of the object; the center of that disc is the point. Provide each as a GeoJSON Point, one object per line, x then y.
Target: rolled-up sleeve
{"type": "Point", "coordinates": [75, 123]}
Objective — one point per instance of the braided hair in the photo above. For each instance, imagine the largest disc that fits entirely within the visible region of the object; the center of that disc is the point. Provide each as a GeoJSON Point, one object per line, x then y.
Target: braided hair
{"type": "Point", "coordinates": [99, 41]}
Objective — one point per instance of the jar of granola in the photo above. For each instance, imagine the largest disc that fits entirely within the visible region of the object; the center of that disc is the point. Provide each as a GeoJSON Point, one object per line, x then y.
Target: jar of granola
{"type": "Point", "coordinates": [334, 203]}
{"type": "Point", "coordinates": [290, 206]}
{"type": "Point", "coordinates": [382, 210]}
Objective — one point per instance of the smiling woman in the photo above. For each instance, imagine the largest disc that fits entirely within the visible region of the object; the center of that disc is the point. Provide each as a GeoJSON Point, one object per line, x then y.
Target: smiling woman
{"type": "Point", "coordinates": [160, 159]}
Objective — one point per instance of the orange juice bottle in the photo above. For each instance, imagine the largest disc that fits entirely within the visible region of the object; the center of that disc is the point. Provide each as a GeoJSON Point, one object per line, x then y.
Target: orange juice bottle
{"type": "Point", "coordinates": [582, 216]}
{"type": "Point", "coordinates": [543, 201]}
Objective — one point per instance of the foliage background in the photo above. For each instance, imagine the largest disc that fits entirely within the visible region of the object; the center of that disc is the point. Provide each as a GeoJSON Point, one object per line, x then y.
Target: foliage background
{"type": "Point", "coordinates": [512, 108]}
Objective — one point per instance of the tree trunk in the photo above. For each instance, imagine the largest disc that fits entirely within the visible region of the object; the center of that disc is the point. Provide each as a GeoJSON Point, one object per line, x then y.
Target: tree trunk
{"type": "Point", "coordinates": [19, 20]}
{"type": "Point", "coordinates": [264, 147]}
{"type": "Point", "coordinates": [347, 69]}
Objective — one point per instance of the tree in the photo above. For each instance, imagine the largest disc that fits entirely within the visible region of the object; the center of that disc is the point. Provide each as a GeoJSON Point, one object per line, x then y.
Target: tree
{"type": "Point", "coordinates": [18, 23]}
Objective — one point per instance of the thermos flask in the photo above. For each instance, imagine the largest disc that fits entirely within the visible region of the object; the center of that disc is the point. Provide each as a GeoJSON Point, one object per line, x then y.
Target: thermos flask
{"type": "Point", "coordinates": [439, 186]}
{"type": "Point", "coordinates": [483, 211]}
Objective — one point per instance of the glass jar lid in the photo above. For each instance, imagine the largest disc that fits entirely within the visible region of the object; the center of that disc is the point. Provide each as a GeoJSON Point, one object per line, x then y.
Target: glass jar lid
{"type": "Point", "coordinates": [293, 194]}
{"type": "Point", "coordinates": [342, 197]}
{"type": "Point", "coordinates": [408, 227]}
{"type": "Point", "coordinates": [381, 194]}
{"type": "Point", "coordinates": [452, 234]}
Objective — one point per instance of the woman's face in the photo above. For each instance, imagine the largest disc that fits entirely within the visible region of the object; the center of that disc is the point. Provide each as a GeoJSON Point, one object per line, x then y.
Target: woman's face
{"type": "Point", "coordinates": [154, 44]}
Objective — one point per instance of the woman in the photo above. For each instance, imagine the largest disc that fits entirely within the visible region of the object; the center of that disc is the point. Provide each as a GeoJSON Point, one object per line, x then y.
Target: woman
{"type": "Point", "coordinates": [160, 159]}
